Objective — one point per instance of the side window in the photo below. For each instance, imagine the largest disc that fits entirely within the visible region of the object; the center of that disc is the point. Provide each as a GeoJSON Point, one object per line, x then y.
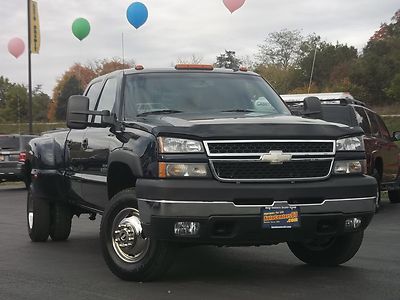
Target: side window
{"type": "Point", "coordinates": [382, 128]}
{"type": "Point", "coordinates": [107, 98]}
{"type": "Point", "coordinates": [362, 119]}
{"type": "Point", "coordinates": [374, 123]}
{"type": "Point", "coordinates": [93, 94]}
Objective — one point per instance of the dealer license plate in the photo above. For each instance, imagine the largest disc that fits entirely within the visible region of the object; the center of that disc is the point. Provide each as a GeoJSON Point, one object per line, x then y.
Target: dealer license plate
{"type": "Point", "coordinates": [280, 217]}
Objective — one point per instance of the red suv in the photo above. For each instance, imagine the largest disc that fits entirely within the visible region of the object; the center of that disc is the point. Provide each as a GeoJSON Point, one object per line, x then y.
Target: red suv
{"type": "Point", "coordinates": [383, 155]}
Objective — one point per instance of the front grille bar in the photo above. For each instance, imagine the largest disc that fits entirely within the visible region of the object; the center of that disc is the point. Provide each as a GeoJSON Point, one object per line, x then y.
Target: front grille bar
{"type": "Point", "coordinates": [269, 145]}
{"type": "Point", "coordinates": [216, 175]}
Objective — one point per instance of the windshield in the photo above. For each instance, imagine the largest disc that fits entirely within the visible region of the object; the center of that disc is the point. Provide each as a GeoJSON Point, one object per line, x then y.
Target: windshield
{"type": "Point", "coordinates": [160, 93]}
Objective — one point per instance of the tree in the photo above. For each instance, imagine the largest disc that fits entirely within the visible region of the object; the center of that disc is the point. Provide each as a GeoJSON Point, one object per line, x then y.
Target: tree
{"type": "Point", "coordinates": [75, 80]}
{"type": "Point", "coordinates": [70, 87]}
{"type": "Point", "coordinates": [40, 104]}
{"type": "Point", "coordinates": [228, 60]}
{"type": "Point", "coordinates": [377, 71]}
{"type": "Point", "coordinates": [105, 66]}
{"type": "Point", "coordinates": [283, 80]}
{"type": "Point", "coordinates": [281, 49]}
{"type": "Point", "coordinates": [332, 63]}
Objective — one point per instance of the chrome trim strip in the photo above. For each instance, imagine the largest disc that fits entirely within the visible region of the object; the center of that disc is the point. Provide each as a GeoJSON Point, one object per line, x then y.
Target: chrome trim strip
{"type": "Point", "coordinates": [269, 179]}
{"type": "Point", "coordinates": [243, 206]}
{"type": "Point", "coordinates": [268, 141]}
{"type": "Point", "coordinates": [90, 177]}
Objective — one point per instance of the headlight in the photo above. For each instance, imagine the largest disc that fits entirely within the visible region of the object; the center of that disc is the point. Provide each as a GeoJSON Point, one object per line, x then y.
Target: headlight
{"type": "Point", "coordinates": [176, 145]}
{"type": "Point", "coordinates": [167, 170]}
{"type": "Point", "coordinates": [355, 143]}
{"type": "Point", "coordinates": [349, 167]}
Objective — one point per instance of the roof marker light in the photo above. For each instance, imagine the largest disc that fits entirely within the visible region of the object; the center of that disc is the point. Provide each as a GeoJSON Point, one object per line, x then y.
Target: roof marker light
{"type": "Point", "coordinates": [194, 67]}
{"type": "Point", "coordinates": [139, 68]}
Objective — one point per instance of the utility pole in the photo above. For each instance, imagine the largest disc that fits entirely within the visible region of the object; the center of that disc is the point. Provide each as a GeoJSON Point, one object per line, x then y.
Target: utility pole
{"type": "Point", "coordinates": [29, 69]}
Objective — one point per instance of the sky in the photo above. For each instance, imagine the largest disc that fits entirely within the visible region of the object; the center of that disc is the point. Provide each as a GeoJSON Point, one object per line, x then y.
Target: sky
{"type": "Point", "coordinates": [175, 29]}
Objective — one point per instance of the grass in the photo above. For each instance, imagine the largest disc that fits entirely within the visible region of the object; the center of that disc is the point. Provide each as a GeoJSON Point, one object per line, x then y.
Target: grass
{"type": "Point", "coordinates": [392, 123]}
{"type": "Point", "coordinates": [23, 128]}
{"type": "Point", "coordinates": [390, 109]}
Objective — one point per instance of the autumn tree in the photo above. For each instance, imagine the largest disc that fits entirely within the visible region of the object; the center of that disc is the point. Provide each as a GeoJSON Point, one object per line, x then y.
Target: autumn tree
{"type": "Point", "coordinates": [377, 71]}
{"type": "Point", "coordinates": [75, 80]}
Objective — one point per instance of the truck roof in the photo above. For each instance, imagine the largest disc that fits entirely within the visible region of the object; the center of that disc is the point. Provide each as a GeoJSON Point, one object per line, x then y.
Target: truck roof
{"type": "Point", "coordinates": [321, 96]}
{"type": "Point", "coordinates": [174, 70]}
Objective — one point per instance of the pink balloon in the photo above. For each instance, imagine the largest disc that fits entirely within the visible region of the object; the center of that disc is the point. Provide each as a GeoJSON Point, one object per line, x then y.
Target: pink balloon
{"type": "Point", "coordinates": [233, 5]}
{"type": "Point", "coordinates": [16, 47]}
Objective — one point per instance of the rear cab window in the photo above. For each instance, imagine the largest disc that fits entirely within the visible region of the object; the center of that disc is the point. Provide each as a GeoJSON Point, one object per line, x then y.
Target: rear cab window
{"type": "Point", "coordinates": [362, 119]}
{"type": "Point", "coordinates": [374, 124]}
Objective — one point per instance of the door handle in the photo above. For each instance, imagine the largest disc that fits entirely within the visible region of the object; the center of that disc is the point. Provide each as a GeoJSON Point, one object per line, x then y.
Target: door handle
{"type": "Point", "coordinates": [85, 144]}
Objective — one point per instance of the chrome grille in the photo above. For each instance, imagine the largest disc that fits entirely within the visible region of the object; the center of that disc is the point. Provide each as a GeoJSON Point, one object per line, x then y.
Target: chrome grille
{"type": "Point", "coordinates": [259, 147]}
{"type": "Point", "coordinates": [271, 160]}
{"type": "Point", "coordinates": [241, 170]}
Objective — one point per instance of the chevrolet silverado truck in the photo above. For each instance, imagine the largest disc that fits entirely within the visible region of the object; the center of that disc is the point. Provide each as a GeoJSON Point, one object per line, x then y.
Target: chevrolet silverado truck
{"type": "Point", "coordinates": [197, 155]}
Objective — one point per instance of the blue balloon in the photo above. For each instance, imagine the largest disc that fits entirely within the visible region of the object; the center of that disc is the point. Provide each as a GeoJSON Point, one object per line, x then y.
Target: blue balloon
{"type": "Point", "coordinates": [137, 14]}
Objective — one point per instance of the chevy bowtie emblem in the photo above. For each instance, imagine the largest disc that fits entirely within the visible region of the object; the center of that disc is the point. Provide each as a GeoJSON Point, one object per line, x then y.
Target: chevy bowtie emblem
{"type": "Point", "coordinates": [276, 157]}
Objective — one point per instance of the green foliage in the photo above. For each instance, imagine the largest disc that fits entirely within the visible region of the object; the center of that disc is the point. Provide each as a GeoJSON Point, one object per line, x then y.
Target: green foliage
{"type": "Point", "coordinates": [228, 60]}
{"type": "Point", "coordinates": [377, 71]}
{"type": "Point", "coordinates": [14, 103]}
{"type": "Point", "coordinates": [281, 49]}
{"type": "Point", "coordinates": [332, 63]}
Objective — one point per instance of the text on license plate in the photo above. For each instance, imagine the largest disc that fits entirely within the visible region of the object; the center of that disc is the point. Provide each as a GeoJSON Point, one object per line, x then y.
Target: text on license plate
{"type": "Point", "coordinates": [280, 217]}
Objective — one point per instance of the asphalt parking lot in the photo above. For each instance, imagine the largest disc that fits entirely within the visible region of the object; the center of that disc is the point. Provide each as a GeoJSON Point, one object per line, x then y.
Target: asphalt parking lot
{"type": "Point", "coordinates": [75, 269]}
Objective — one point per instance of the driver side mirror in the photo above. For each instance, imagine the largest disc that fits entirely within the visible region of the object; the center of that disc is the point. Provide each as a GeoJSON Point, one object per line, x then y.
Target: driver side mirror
{"type": "Point", "coordinates": [78, 113]}
{"type": "Point", "coordinates": [396, 136]}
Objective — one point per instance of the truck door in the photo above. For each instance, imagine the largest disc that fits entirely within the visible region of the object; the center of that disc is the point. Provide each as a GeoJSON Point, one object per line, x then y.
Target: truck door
{"type": "Point", "coordinates": [75, 152]}
{"type": "Point", "coordinates": [97, 144]}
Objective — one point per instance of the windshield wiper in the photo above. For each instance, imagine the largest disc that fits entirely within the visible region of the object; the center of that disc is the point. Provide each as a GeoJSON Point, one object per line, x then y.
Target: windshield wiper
{"type": "Point", "coordinates": [160, 111]}
{"type": "Point", "coordinates": [238, 110]}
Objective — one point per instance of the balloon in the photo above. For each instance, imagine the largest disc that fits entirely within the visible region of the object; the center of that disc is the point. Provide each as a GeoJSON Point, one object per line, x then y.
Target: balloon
{"type": "Point", "coordinates": [16, 47]}
{"type": "Point", "coordinates": [233, 5]}
{"type": "Point", "coordinates": [137, 14]}
{"type": "Point", "coordinates": [80, 28]}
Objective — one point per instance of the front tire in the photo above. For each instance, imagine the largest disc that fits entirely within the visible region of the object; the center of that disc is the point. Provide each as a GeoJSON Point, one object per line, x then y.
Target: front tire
{"type": "Point", "coordinates": [130, 255]}
{"type": "Point", "coordinates": [331, 251]}
{"type": "Point", "coordinates": [38, 217]}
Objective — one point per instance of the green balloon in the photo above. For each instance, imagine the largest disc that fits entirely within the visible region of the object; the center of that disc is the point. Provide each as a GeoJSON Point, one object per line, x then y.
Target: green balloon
{"type": "Point", "coordinates": [81, 28]}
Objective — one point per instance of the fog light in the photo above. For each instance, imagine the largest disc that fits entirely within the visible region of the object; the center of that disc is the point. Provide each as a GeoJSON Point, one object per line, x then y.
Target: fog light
{"type": "Point", "coordinates": [186, 228]}
{"type": "Point", "coordinates": [352, 223]}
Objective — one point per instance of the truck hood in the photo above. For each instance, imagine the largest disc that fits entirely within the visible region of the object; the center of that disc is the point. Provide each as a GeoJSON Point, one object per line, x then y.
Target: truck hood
{"type": "Point", "coordinates": [243, 126]}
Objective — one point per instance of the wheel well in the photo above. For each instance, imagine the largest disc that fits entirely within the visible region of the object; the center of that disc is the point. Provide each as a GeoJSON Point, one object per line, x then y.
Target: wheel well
{"type": "Point", "coordinates": [119, 177]}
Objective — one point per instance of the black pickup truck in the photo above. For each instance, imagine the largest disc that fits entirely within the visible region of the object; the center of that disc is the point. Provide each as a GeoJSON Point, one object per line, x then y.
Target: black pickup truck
{"type": "Point", "coordinates": [197, 155]}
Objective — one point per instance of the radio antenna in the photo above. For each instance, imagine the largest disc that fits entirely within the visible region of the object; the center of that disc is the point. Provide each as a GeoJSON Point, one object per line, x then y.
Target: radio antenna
{"type": "Point", "coordinates": [312, 69]}
{"type": "Point", "coordinates": [123, 52]}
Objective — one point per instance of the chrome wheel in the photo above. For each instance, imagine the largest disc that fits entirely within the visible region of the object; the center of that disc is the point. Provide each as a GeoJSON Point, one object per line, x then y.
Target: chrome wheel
{"type": "Point", "coordinates": [126, 236]}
